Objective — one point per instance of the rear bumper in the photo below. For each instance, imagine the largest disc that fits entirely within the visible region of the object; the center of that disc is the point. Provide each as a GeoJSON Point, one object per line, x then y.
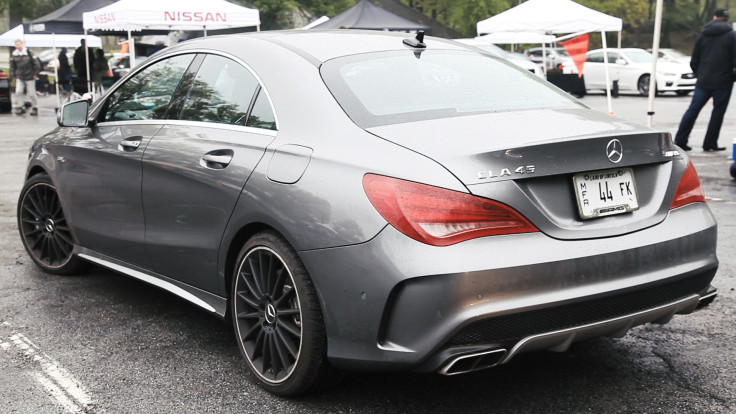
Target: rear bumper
{"type": "Point", "coordinates": [396, 304]}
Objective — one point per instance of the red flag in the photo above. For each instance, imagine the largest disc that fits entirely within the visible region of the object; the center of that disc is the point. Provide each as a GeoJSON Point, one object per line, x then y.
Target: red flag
{"type": "Point", "coordinates": [576, 48]}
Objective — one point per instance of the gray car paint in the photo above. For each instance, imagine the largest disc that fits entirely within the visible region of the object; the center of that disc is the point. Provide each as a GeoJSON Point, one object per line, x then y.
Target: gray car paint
{"type": "Point", "coordinates": [188, 205]}
{"type": "Point", "coordinates": [389, 301]}
{"type": "Point", "coordinates": [100, 184]}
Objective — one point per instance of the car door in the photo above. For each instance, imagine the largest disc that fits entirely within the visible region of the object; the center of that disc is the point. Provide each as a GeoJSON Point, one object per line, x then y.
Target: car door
{"type": "Point", "coordinates": [195, 168]}
{"type": "Point", "coordinates": [628, 71]}
{"type": "Point", "coordinates": [103, 162]}
{"type": "Point", "coordinates": [594, 71]}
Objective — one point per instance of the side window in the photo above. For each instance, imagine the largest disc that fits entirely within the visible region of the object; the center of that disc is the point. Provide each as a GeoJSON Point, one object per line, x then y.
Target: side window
{"type": "Point", "coordinates": [262, 116]}
{"type": "Point", "coordinates": [595, 57]}
{"type": "Point", "coordinates": [222, 92]}
{"type": "Point", "coordinates": [147, 94]}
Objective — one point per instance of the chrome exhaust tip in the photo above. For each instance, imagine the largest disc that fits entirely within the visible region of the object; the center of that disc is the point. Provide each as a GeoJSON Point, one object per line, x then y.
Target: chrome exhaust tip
{"type": "Point", "coordinates": [473, 362]}
{"type": "Point", "coordinates": [706, 299]}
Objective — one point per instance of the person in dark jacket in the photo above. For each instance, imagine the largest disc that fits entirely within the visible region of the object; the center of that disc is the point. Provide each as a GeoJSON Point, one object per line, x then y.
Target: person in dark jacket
{"type": "Point", "coordinates": [24, 69]}
{"type": "Point", "coordinates": [80, 65]}
{"type": "Point", "coordinates": [713, 62]}
{"type": "Point", "coordinates": [65, 70]}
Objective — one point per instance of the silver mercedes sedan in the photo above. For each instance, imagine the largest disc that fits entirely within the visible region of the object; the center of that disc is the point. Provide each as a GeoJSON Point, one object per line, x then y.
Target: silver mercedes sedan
{"type": "Point", "coordinates": [371, 201]}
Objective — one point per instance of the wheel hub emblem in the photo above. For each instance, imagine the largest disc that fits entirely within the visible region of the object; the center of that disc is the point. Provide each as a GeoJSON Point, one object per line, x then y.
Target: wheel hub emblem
{"type": "Point", "coordinates": [614, 151]}
{"type": "Point", "coordinates": [270, 313]}
{"type": "Point", "coordinates": [50, 226]}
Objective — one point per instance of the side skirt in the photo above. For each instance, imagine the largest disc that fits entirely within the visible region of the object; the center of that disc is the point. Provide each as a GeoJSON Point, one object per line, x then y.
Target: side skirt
{"type": "Point", "coordinates": [206, 300]}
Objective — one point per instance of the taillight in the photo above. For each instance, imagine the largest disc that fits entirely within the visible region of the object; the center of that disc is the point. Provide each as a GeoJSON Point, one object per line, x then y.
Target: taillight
{"type": "Point", "coordinates": [438, 216]}
{"type": "Point", "coordinates": [688, 189]}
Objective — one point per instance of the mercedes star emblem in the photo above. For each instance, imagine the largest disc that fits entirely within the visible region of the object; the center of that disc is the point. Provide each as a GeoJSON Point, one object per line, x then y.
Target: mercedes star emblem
{"type": "Point", "coordinates": [614, 151]}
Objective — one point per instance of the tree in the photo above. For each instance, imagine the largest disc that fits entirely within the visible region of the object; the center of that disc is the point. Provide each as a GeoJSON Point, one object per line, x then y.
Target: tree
{"type": "Point", "coordinates": [273, 11]}
{"type": "Point", "coordinates": [461, 15]}
{"type": "Point", "coordinates": [23, 10]}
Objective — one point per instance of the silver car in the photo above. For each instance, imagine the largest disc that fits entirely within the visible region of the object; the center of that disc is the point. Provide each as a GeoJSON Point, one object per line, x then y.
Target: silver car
{"type": "Point", "coordinates": [371, 201]}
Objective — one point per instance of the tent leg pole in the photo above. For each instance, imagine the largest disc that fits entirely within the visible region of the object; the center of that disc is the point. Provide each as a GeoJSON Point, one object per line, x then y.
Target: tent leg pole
{"type": "Point", "coordinates": [86, 63]}
{"type": "Point", "coordinates": [56, 72]}
{"type": "Point", "coordinates": [544, 59]}
{"type": "Point", "coordinates": [655, 52]}
{"type": "Point", "coordinates": [205, 30]}
{"type": "Point", "coordinates": [131, 50]}
{"type": "Point", "coordinates": [608, 76]}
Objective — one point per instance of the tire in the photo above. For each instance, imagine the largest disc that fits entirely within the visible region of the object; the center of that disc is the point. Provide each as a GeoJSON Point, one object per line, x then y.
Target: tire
{"type": "Point", "coordinates": [643, 85]}
{"type": "Point", "coordinates": [683, 93]}
{"type": "Point", "coordinates": [43, 228]}
{"type": "Point", "coordinates": [5, 107]}
{"type": "Point", "coordinates": [733, 170]}
{"type": "Point", "coordinates": [277, 318]}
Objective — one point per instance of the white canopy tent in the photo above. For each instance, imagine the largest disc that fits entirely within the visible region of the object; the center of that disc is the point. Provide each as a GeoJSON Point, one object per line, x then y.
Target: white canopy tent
{"type": "Point", "coordinates": [134, 15]}
{"type": "Point", "coordinates": [554, 17]}
{"type": "Point", "coordinates": [516, 38]}
{"type": "Point", "coordinates": [550, 16]}
{"type": "Point", "coordinates": [45, 40]}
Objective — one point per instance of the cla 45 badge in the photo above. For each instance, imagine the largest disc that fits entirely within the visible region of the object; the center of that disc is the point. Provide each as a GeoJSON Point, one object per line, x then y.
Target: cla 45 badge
{"type": "Point", "coordinates": [506, 172]}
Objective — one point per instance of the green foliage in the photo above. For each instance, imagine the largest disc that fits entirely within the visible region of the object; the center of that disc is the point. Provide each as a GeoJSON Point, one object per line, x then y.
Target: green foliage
{"type": "Point", "coordinates": [326, 7]}
{"type": "Point", "coordinates": [272, 11]}
{"type": "Point", "coordinates": [24, 10]}
{"type": "Point", "coordinates": [461, 15]}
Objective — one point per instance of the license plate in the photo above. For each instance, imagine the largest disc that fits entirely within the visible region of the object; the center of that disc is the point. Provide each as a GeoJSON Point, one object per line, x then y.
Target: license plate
{"type": "Point", "coordinates": [607, 192]}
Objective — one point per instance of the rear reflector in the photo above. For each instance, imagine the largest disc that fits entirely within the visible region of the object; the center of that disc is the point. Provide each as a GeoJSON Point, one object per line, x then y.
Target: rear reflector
{"type": "Point", "coordinates": [688, 189]}
{"type": "Point", "coordinates": [438, 216]}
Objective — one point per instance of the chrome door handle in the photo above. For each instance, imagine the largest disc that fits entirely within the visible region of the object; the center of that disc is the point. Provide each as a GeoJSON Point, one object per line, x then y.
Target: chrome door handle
{"type": "Point", "coordinates": [217, 160]}
{"type": "Point", "coordinates": [130, 144]}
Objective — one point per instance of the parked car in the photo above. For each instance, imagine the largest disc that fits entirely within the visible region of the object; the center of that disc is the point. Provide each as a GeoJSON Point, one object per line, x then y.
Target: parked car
{"type": "Point", "coordinates": [517, 59]}
{"type": "Point", "coordinates": [371, 201]}
{"type": "Point", "coordinates": [6, 104]}
{"type": "Point", "coordinates": [672, 55]}
{"type": "Point", "coordinates": [555, 56]}
{"type": "Point", "coordinates": [631, 68]}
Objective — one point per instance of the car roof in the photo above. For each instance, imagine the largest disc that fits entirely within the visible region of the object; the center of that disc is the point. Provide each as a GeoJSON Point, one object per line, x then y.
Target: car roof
{"type": "Point", "coordinates": [321, 45]}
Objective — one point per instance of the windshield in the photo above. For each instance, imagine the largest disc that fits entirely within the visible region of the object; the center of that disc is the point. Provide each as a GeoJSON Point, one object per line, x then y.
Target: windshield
{"type": "Point", "coordinates": [393, 87]}
{"type": "Point", "coordinates": [639, 56]}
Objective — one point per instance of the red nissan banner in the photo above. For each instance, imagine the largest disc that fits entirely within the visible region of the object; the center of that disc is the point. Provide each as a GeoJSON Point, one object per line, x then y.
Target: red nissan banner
{"type": "Point", "coordinates": [576, 48]}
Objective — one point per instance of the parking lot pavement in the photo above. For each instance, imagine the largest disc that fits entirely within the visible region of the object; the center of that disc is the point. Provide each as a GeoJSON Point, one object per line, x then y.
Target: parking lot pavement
{"type": "Point", "coordinates": [103, 342]}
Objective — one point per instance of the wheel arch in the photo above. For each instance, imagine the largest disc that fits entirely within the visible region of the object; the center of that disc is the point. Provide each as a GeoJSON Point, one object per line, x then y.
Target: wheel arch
{"type": "Point", "coordinates": [36, 170]}
{"type": "Point", "coordinates": [233, 248]}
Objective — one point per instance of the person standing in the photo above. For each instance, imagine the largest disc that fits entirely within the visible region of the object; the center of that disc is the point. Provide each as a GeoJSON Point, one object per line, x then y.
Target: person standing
{"type": "Point", "coordinates": [101, 70]}
{"type": "Point", "coordinates": [79, 60]}
{"type": "Point", "coordinates": [713, 62]}
{"type": "Point", "coordinates": [65, 70]}
{"type": "Point", "coordinates": [24, 70]}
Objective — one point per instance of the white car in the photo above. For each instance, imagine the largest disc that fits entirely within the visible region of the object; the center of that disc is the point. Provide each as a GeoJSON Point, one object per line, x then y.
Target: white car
{"type": "Point", "coordinates": [631, 67]}
{"type": "Point", "coordinates": [673, 55]}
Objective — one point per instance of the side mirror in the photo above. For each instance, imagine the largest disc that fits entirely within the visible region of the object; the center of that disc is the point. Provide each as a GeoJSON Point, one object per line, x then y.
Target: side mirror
{"type": "Point", "coordinates": [620, 61]}
{"type": "Point", "coordinates": [74, 114]}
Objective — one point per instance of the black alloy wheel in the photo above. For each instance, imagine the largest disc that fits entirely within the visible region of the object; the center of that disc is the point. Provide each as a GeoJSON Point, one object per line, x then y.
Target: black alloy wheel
{"type": "Point", "coordinates": [44, 229]}
{"type": "Point", "coordinates": [277, 317]}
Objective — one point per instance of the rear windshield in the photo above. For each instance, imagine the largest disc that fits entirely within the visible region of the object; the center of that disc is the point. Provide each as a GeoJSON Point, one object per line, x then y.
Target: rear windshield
{"type": "Point", "coordinates": [403, 86]}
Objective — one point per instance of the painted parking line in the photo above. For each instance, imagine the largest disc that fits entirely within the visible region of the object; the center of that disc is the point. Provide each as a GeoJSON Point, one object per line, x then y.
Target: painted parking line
{"type": "Point", "coordinates": [59, 383]}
